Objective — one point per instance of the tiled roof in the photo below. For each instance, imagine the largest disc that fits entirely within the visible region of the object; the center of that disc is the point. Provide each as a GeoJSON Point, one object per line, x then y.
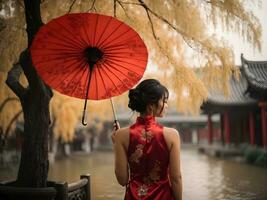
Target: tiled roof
{"type": "Point", "coordinates": [256, 75]}
{"type": "Point", "coordinates": [238, 97]}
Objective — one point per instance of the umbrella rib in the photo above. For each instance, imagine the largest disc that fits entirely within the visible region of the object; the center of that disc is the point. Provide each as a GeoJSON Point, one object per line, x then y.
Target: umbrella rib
{"type": "Point", "coordinates": [114, 39]}
{"type": "Point", "coordinates": [118, 58]}
{"type": "Point", "coordinates": [101, 79]}
{"type": "Point", "coordinates": [80, 77]}
{"type": "Point", "coordinates": [86, 33]}
{"type": "Point", "coordinates": [103, 31]}
{"type": "Point", "coordinates": [61, 45]}
{"type": "Point", "coordinates": [116, 70]}
{"type": "Point", "coordinates": [75, 72]}
{"type": "Point", "coordinates": [103, 68]}
{"type": "Point", "coordinates": [119, 47]}
{"type": "Point", "coordinates": [96, 82]}
{"type": "Point", "coordinates": [57, 53]}
{"type": "Point", "coordinates": [114, 30]}
{"type": "Point", "coordinates": [67, 66]}
{"type": "Point", "coordinates": [81, 42]}
{"type": "Point", "coordinates": [69, 39]}
{"type": "Point", "coordinates": [122, 43]}
{"type": "Point", "coordinates": [124, 68]}
{"type": "Point", "coordinates": [95, 29]}
{"type": "Point", "coordinates": [55, 59]}
{"type": "Point", "coordinates": [51, 56]}
{"type": "Point", "coordinates": [126, 63]}
{"type": "Point", "coordinates": [118, 37]}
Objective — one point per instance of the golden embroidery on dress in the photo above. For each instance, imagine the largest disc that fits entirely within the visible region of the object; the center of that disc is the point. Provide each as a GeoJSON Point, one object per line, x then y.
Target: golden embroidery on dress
{"type": "Point", "coordinates": [142, 190]}
{"type": "Point", "coordinates": [154, 174]}
{"type": "Point", "coordinates": [137, 154]}
{"type": "Point", "coordinates": [146, 135]}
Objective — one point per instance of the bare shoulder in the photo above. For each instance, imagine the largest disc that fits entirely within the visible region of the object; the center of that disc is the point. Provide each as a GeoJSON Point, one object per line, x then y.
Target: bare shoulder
{"type": "Point", "coordinates": [171, 136]}
{"type": "Point", "coordinates": [122, 133]}
{"type": "Point", "coordinates": [171, 131]}
{"type": "Point", "coordinates": [122, 136]}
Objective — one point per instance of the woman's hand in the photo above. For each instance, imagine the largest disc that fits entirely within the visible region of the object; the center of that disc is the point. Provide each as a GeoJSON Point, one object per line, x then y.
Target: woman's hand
{"type": "Point", "coordinates": [116, 126]}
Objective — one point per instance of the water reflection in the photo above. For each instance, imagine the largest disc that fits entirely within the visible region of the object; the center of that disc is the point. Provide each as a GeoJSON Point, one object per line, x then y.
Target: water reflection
{"type": "Point", "coordinates": [203, 177]}
{"type": "Point", "coordinates": [216, 179]}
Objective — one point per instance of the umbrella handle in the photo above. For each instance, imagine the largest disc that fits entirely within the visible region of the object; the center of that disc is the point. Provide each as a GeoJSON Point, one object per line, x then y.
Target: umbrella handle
{"type": "Point", "coordinates": [113, 110]}
{"type": "Point", "coordinates": [86, 97]}
{"type": "Point", "coordinates": [116, 124]}
{"type": "Point", "coordinates": [114, 114]}
{"type": "Point", "coordinates": [84, 118]}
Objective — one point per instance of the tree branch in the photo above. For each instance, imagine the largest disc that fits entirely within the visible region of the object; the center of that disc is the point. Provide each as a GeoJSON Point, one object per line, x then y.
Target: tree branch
{"type": "Point", "coordinates": [131, 3]}
{"type": "Point", "coordinates": [151, 25]}
{"type": "Point", "coordinates": [123, 9]}
{"type": "Point", "coordinates": [114, 8]}
{"type": "Point", "coordinates": [13, 81]}
{"type": "Point", "coordinates": [72, 4]}
{"type": "Point", "coordinates": [6, 101]}
{"type": "Point", "coordinates": [186, 37]}
{"type": "Point", "coordinates": [92, 8]}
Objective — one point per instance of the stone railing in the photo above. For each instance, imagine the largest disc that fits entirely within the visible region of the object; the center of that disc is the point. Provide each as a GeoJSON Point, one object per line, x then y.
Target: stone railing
{"type": "Point", "coordinates": [79, 190]}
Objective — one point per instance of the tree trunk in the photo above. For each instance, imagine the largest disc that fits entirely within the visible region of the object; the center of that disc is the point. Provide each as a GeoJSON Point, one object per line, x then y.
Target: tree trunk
{"type": "Point", "coordinates": [33, 169]}
{"type": "Point", "coordinates": [34, 154]}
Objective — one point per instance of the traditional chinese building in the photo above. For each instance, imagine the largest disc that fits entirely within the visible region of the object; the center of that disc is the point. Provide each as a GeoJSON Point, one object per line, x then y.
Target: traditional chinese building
{"type": "Point", "coordinates": [255, 73]}
{"type": "Point", "coordinates": [237, 113]}
{"type": "Point", "coordinates": [244, 112]}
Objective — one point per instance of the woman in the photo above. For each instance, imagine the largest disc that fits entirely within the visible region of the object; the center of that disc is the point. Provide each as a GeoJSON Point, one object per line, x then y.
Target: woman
{"type": "Point", "coordinates": [147, 150]}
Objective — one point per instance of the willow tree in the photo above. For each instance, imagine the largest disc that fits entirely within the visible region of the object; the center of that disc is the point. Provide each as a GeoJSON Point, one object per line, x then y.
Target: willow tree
{"type": "Point", "coordinates": [172, 30]}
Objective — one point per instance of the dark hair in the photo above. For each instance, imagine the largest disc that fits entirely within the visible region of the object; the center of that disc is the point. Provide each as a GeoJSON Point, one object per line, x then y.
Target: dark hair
{"type": "Point", "coordinates": [149, 91]}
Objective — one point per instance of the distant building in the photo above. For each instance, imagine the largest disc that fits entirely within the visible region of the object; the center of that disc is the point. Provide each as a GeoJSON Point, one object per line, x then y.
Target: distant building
{"type": "Point", "coordinates": [243, 113]}
{"type": "Point", "coordinates": [256, 76]}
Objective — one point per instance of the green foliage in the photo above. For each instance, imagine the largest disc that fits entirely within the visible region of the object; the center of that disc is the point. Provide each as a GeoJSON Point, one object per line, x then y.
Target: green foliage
{"type": "Point", "coordinates": [255, 155]}
{"type": "Point", "coordinates": [251, 154]}
{"type": "Point", "coordinates": [262, 159]}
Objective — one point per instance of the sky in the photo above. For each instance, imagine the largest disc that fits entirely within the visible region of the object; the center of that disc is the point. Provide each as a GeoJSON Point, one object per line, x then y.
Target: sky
{"type": "Point", "coordinates": [239, 46]}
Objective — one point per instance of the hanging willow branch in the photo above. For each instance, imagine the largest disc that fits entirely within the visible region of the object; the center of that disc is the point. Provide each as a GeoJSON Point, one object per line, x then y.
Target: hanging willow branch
{"type": "Point", "coordinates": [6, 101]}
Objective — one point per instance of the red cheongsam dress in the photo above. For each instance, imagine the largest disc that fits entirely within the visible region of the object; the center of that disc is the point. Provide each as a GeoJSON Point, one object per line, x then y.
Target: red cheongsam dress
{"type": "Point", "coordinates": [148, 158]}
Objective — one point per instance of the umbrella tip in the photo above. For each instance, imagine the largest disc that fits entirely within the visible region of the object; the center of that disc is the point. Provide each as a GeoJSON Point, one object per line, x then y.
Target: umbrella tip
{"type": "Point", "coordinates": [84, 123]}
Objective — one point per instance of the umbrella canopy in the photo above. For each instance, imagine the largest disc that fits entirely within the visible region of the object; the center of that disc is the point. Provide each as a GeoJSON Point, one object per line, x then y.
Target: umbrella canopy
{"type": "Point", "coordinates": [89, 56]}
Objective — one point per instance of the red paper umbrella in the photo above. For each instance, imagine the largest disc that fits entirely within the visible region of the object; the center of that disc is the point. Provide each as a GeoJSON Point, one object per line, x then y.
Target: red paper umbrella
{"type": "Point", "coordinates": [89, 56]}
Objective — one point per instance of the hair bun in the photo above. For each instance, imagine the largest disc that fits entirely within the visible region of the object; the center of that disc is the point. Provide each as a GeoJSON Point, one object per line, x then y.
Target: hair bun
{"type": "Point", "coordinates": [136, 100]}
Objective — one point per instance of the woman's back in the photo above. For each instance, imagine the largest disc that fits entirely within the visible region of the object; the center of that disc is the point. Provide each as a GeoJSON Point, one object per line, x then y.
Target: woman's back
{"type": "Point", "coordinates": [148, 158]}
{"type": "Point", "coordinates": [147, 155]}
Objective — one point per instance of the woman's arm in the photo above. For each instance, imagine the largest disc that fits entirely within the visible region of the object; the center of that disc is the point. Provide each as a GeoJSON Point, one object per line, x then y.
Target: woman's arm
{"type": "Point", "coordinates": [174, 169]}
{"type": "Point", "coordinates": [121, 163]}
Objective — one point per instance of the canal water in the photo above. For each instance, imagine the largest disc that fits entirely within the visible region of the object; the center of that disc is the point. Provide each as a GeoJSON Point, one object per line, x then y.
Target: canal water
{"type": "Point", "coordinates": [203, 177]}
